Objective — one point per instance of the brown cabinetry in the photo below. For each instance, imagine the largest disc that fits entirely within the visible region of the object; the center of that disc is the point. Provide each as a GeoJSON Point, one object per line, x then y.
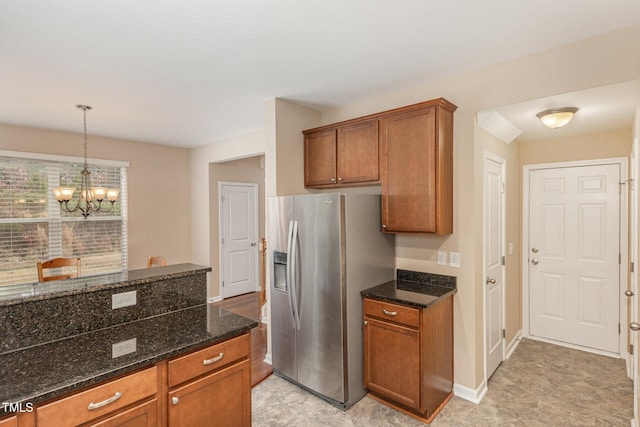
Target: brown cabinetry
{"type": "Point", "coordinates": [109, 399]}
{"type": "Point", "coordinates": [346, 154]}
{"type": "Point", "coordinates": [417, 168]}
{"type": "Point", "coordinates": [212, 387]}
{"type": "Point", "coordinates": [9, 422]}
{"type": "Point", "coordinates": [408, 355]}
{"type": "Point", "coordinates": [408, 150]}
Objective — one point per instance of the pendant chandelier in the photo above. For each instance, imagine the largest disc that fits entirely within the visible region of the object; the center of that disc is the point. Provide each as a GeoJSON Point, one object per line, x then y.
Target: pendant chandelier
{"type": "Point", "coordinates": [90, 198]}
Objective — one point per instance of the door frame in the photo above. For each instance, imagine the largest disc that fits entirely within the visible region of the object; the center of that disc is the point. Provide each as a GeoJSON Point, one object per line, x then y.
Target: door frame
{"type": "Point", "coordinates": [503, 207]}
{"type": "Point", "coordinates": [623, 242]}
{"type": "Point", "coordinates": [221, 265]}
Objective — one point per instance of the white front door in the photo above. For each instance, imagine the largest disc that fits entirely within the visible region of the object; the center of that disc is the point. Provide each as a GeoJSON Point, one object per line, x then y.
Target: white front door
{"type": "Point", "coordinates": [239, 238]}
{"type": "Point", "coordinates": [494, 186]}
{"type": "Point", "coordinates": [574, 255]}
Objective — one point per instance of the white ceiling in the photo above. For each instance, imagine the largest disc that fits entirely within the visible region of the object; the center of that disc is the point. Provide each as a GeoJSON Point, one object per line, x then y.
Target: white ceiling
{"type": "Point", "coordinates": [192, 72]}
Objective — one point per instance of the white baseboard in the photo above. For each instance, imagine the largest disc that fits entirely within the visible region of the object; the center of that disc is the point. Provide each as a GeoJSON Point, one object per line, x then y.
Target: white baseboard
{"type": "Point", "coordinates": [267, 359]}
{"type": "Point", "coordinates": [634, 423]}
{"type": "Point", "coordinates": [466, 393]}
{"type": "Point", "coordinates": [513, 344]}
{"type": "Point", "coordinates": [263, 315]}
{"type": "Point", "coordinates": [214, 299]}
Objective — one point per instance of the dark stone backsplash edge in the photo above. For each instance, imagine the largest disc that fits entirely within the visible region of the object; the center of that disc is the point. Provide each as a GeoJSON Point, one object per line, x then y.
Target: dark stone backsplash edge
{"type": "Point", "coordinates": [426, 278]}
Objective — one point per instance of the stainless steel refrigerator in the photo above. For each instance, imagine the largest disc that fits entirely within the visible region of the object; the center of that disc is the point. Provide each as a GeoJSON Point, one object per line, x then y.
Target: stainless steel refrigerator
{"type": "Point", "coordinates": [324, 249]}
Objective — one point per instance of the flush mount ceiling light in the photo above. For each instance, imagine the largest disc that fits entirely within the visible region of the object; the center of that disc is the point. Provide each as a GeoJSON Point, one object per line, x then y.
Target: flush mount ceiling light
{"type": "Point", "coordinates": [90, 198]}
{"type": "Point", "coordinates": [556, 117]}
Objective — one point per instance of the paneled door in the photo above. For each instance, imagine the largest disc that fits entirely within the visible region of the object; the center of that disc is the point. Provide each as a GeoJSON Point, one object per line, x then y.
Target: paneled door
{"type": "Point", "coordinates": [574, 253]}
{"type": "Point", "coordinates": [494, 229]}
{"type": "Point", "coordinates": [239, 237]}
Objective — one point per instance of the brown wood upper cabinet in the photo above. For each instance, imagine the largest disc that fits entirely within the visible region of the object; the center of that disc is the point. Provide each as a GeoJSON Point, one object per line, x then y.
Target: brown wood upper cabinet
{"type": "Point", "coordinates": [417, 168]}
{"type": "Point", "coordinates": [345, 154]}
{"type": "Point", "coordinates": [409, 150]}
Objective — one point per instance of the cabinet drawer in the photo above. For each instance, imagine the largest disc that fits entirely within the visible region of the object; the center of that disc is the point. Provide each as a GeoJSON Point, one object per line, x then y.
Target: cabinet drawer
{"type": "Point", "coordinates": [392, 312]}
{"type": "Point", "coordinates": [209, 359]}
{"type": "Point", "coordinates": [102, 399]}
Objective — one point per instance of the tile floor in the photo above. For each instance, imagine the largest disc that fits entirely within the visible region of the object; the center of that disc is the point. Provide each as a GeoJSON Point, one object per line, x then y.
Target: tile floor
{"type": "Point", "coordinates": [540, 385]}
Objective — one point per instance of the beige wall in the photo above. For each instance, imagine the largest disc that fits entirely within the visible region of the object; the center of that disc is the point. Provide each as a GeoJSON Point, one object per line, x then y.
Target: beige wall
{"type": "Point", "coordinates": [158, 225]}
{"type": "Point", "coordinates": [586, 64]}
{"type": "Point", "coordinates": [248, 171]}
{"type": "Point", "coordinates": [585, 147]}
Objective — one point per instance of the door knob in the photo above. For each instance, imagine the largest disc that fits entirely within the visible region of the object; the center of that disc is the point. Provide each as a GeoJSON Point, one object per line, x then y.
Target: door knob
{"type": "Point", "coordinates": [634, 326]}
{"type": "Point", "coordinates": [175, 400]}
{"type": "Point", "coordinates": [491, 281]}
{"type": "Point", "coordinates": [534, 261]}
{"type": "Point", "coordinates": [629, 293]}
{"type": "Point", "coordinates": [534, 250]}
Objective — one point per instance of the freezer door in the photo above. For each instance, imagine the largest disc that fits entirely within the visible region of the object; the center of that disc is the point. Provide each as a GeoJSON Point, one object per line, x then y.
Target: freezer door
{"type": "Point", "coordinates": [283, 333]}
{"type": "Point", "coordinates": [319, 279]}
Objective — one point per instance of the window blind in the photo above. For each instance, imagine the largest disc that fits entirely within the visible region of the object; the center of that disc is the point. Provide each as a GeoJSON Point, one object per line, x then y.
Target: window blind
{"type": "Point", "coordinates": [33, 227]}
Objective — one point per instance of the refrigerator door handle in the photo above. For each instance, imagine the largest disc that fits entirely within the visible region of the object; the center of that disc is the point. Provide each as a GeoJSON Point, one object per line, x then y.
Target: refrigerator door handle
{"type": "Point", "coordinates": [294, 274]}
{"type": "Point", "coordinates": [289, 273]}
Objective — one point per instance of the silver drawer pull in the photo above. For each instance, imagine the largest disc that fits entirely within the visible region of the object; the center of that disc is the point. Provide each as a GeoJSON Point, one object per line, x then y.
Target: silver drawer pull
{"type": "Point", "coordinates": [389, 313]}
{"type": "Point", "coordinates": [214, 360]}
{"type": "Point", "coordinates": [112, 399]}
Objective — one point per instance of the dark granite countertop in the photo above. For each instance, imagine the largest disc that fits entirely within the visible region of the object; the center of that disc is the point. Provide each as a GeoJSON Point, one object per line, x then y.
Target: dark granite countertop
{"type": "Point", "coordinates": [414, 289]}
{"type": "Point", "coordinates": [42, 372]}
{"type": "Point", "coordinates": [17, 294]}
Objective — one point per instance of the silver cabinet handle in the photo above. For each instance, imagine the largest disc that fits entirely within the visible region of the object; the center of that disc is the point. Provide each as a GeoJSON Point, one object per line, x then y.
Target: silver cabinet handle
{"type": "Point", "coordinates": [366, 323]}
{"type": "Point", "coordinates": [634, 326]}
{"type": "Point", "coordinates": [340, 179]}
{"type": "Point", "coordinates": [384, 226]}
{"type": "Point", "coordinates": [112, 399]}
{"type": "Point", "coordinates": [491, 281]}
{"type": "Point", "coordinates": [175, 400]}
{"type": "Point", "coordinates": [253, 244]}
{"type": "Point", "coordinates": [333, 180]}
{"type": "Point", "coordinates": [534, 250]}
{"type": "Point", "coordinates": [534, 261]}
{"type": "Point", "coordinates": [629, 293]}
{"type": "Point", "coordinates": [389, 313]}
{"type": "Point", "coordinates": [213, 360]}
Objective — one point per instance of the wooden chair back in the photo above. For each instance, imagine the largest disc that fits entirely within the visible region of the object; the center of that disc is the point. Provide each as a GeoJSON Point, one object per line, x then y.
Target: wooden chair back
{"type": "Point", "coordinates": [58, 263]}
{"type": "Point", "coordinates": [156, 261]}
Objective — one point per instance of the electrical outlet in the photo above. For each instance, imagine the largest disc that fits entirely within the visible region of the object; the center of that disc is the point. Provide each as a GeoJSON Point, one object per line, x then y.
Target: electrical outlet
{"type": "Point", "coordinates": [124, 299]}
{"type": "Point", "coordinates": [123, 347]}
{"type": "Point", "coordinates": [442, 258]}
{"type": "Point", "coordinates": [454, 259]}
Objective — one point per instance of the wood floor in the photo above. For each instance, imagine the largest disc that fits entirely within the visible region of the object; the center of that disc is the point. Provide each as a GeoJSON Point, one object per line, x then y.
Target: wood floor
{"type": "Point", "coordinates": [248, 305]}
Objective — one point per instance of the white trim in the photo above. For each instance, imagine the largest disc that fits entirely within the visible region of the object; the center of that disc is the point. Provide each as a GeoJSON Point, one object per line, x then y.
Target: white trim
{"type": "Point", "coordinates": [513, 344]}
{"type": "Point", "coordinates": [473, 396]}
{"type": "Point", "coordinates": [68, 159]}
{"type": "Point", "coordinates": [624, 239]}
{"type": "Point", "coordinates": [575, 347]}
{"type": "Point", "coordinates": [503, 206]}
{"type": "Point", "coordinates": [267, 358]}
{"type": "Point", "coordinates": [214, 299]}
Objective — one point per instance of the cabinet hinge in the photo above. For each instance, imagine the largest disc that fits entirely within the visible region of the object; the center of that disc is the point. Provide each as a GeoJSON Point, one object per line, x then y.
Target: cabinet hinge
{"type": "Point", "coordinates": [223, 283]}
{"type": "Point", "coordinates": [504, 334]}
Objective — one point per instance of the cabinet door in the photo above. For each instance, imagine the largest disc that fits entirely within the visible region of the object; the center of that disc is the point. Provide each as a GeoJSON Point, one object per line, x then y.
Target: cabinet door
{"type": "Point", "coordinates": [320, 158]}
{"type": "Point", "coordinates": [220, 399]}
{"type": "Point", "coordinates": [408, 141]}
{"type": "Point", "coordinates": [145, 415]}
{"type": "Point", "coordinates": [9, 422]}
{"type": "Point", "coordinates": [358, 152]}
{"type": "Point", "coordinates": [392, 362]}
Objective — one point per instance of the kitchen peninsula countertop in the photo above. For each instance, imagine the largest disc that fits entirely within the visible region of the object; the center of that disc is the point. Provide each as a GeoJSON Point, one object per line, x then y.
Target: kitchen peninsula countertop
{"type": "Point", "coordinates": [413, 288]}
{"type": "Point", "coordinates": [42, 372]}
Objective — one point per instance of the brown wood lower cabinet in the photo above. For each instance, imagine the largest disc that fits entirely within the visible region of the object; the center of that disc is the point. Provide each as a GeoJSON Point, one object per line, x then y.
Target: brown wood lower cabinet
{"type": "Point", "coordinates": [208, 387]}
{"type": "Point", "coordinates": [408, 355]}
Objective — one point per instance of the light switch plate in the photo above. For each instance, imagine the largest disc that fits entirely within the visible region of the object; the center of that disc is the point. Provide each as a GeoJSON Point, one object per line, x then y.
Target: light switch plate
{"type": "Point", "coordinates": [454, 259]}
{"type": "Point", "coordinates": [123, 347]}
{"type": "Point", "coordinates": [442, 258]}
{"type": "Point", "coordinates": [124, 299]}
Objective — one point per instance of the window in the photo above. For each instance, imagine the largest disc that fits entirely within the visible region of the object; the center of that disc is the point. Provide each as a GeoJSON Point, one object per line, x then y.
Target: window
{"type": "Point", "coordinates": [34, 228]}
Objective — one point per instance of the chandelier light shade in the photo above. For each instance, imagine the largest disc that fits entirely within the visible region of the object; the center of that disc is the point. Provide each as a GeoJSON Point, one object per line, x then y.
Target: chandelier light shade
{"type": "Point", "coordinates": [90, 198]}
{"type": "Point", "coordinates": [557, 117]}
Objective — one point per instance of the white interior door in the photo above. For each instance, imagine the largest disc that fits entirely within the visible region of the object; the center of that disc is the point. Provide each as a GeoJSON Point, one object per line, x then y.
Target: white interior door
{"type": "Point", "coordinates": [239, 238]}
{"type": "Point", "coordinates": [574, 255]}
{"type": "Point", "coordinates": [633, 296]}
{"type": "Point", "coordinates": [494, 187]}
